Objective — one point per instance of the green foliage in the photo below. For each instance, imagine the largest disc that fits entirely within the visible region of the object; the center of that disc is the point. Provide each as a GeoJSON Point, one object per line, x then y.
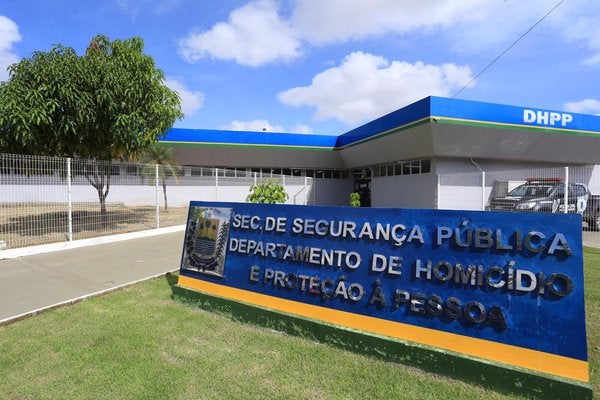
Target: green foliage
{"type": "Point", "coordinates": [354, 199]}
{"type": "Point", "coordinates": [109, 103]}
{"type": "Point", "coordinates": [267, 192]}
{"type": "Point", "coordinates": [167, 166]}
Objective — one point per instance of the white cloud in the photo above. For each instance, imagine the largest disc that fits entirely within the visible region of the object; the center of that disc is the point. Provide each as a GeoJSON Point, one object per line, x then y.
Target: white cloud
{"type": "Point", "coordinates": [133, 8]}
{"type": "Point", "coordinates": [301, 128]}
{"type": "Point", "coordinates": [254, 35]}
{"type": "Point", "coordinates": [366, 86]}
{"type": "Point", "coordinates": [341, 20]}
{"type": "Point", "coordinates": [593, 60]}
{"type": "Point", "coordinates": [256, 125]}
{"type": "Point", "coordinates": [579, 24]}
{"type": "Point", "coordinates": [466, 25]}
{"type": "Point", "coordinates": [262, 125]}
{"type": "Point", "coordinates": [9, 35]}
{"type": "Point", "coordinates": [587, 106]}
{"type": "Point", "coordinates": [191, 101]}
{"type": "Point", "coordinates": [258, 33]}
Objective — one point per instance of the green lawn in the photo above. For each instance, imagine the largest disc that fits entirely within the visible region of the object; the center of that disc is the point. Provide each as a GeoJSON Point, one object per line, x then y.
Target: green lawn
{"type": "Point", "coordinates": [592, 315]}
{"type": "Point", "coordinates": [138, 343]}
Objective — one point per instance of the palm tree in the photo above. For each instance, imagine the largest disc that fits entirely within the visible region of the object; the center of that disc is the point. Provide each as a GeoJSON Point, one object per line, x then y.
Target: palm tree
{"type": "Point", "coordinates": [167, 166]}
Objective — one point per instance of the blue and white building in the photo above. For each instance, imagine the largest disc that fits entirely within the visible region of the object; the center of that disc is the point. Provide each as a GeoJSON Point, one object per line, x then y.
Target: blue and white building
{"type": "Point", "coordinates": [396, 160]}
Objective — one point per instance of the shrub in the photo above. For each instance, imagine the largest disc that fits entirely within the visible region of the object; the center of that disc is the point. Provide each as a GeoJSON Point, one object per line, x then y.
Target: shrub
{"type": "Point", "coordinates": [267, 192]}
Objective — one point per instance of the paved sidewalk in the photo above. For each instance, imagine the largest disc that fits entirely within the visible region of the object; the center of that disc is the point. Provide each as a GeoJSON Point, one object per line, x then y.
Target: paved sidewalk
{"type": "Point", "coordinates": [38, 281]}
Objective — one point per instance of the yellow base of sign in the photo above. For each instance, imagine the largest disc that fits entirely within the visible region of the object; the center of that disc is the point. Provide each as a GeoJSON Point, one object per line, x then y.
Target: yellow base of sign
{"type": "Point", "coordinates": [498, 352]}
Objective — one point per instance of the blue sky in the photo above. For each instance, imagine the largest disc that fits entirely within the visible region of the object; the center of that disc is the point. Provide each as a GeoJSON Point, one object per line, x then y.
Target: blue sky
{"type": "Point", "coordinates": [327, 66]}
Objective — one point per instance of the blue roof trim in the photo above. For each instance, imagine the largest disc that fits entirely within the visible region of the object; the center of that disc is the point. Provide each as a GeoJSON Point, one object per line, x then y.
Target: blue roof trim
{"type": "Point", "coordinates": [429, 107]}
{"type": "Point", "coordinates": [513, 115]}
{"type": "Point", "coordinates": [406, 115]}
{"type": "Point", "coordinates": [248, 138]}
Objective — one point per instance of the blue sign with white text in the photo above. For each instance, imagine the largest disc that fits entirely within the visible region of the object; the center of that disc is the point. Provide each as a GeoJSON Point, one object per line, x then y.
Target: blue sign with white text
{"type": "Point", "coordinates": [512, 279]}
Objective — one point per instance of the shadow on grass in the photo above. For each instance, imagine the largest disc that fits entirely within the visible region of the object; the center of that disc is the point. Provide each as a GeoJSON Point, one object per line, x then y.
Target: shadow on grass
{"type": "Point", "coordinates": [172, 281]}
{"type": "Point", "coordinates": [503, 379]}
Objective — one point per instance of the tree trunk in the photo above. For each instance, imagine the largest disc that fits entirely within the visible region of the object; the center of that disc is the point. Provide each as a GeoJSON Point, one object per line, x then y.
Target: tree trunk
{"type": "Point", "coordinates": [103, 214]}
{"type": "Point", "coordinates": [164, 185]}
{"type": "Point", "coordinates": [98, 175]}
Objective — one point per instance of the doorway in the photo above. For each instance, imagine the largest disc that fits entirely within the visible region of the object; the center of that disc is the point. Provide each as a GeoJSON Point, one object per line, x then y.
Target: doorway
{"type": "Point", "coordinates": [363, 188]}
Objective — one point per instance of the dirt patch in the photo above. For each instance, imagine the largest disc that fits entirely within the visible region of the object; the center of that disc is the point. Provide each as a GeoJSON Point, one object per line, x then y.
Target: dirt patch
{"type": "Point", "coordinates": [23, 225]}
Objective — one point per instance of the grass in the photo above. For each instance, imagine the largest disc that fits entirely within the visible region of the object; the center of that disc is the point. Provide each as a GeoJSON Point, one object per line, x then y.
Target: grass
{"type": "Point", "coordinates": [138, 343]}
{"type": "Point", "coordinates": [592, 314]}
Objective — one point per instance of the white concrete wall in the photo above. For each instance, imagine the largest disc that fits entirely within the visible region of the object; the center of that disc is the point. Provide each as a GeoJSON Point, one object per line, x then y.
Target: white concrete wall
{"type": "Point", "coordinates": [410, 191]}
{"type": "Point", "coordinates": [331, 192]}
{"type": "Point", "coordinates": [464, 165]}
{"type": "Point", "coordinates": [134, 195]}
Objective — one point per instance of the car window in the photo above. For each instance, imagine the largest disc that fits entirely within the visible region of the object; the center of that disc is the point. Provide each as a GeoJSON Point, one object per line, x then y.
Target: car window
{"type": "Point", "coordinates": [528, 190]}
{"type": "Point", "coordinates": [580, 190]}
{"type": "Point", "coordinates": [559, 190]}
{"type": "Point", "coordinates": [518, 191]}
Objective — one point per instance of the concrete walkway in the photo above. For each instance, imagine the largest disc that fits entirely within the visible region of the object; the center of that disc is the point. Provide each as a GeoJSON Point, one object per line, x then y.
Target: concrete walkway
{"type": "Point", "coordinates": [32, 283]}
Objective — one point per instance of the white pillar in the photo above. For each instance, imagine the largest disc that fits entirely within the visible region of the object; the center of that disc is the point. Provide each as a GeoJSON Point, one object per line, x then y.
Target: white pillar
{"type": "Point", "coordinates": [482, 190]}
{"type": "Point", "coordinates": [216, 184]}
{"type": "Point", "coordinates": [157, 198]}
{"type": "Point", "coordinates": [566, 210]}
{"type": "Point", "coordinates": [305, 190]}
{"type": "Point", "coordinates": [69, 202]}
{"type": "Point", "coordinates": [437, 192]}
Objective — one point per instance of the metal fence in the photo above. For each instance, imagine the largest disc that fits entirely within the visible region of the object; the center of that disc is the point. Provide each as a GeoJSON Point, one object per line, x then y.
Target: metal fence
{"type": "Point", "coordinates": [528, 190]}
{"type": "Point", "coordinates": [51, 199]}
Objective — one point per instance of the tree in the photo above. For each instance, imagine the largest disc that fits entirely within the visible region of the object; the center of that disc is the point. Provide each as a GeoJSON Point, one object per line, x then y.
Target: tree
{"type": "Point", "coordinates": [267, 192]}
{"type": "Point", "coordinates": [167, 166]}
{"type": "Point", "coordinates": [110, 103]}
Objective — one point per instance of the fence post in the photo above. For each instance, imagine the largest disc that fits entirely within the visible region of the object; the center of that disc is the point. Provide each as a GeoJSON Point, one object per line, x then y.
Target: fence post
{"type": "Point", "coordinates": [437, 192]}
{"type": "Point", "coordinates": [305, 190]}
{"type": "Point", "coordinates": [216, 184]}
{"type": "Point", "coordinates": [482, 190]}
{"type": "Point", "coordinates": [566, 210]}
{"type": "Point", "coordinates": [156, 195]}
{"type": "Point", "coordinates": [69, 202]}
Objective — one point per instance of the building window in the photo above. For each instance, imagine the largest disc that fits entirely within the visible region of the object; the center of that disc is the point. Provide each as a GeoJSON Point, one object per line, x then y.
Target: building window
{"type": "Point", "coordinates": [229, 172]}
{"type": "Point", "coordinates": [131, 169]}
{"type": "Point", "coordinates": [196, 171]}
{"type": "Point", "coordinates": [406, 168]}
{"type": "Point", "coordinates": [240, 172]}
{"type": "Point", "coordinates": [414, 167]}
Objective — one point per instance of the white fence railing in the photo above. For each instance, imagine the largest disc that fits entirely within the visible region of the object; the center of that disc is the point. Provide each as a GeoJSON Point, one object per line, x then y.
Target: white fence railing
{"type": "Point", "coordinates": [51, 199]}
{"type": "Point", "coordinates": [528, 190]}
